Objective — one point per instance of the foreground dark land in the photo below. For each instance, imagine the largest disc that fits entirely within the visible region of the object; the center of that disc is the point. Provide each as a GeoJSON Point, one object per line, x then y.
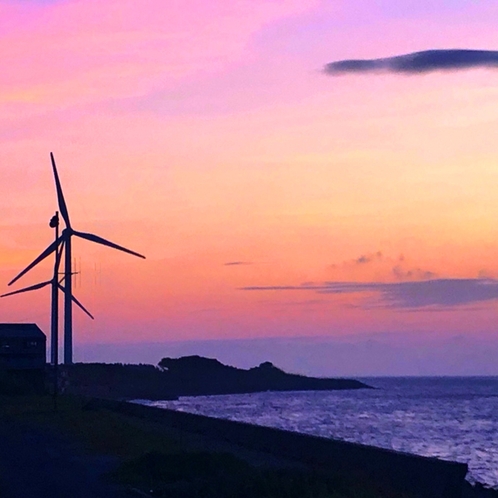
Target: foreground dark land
{"type": "Point", "coordinates": [190, 376]}
{"type": "Point", "coordinates": [80, 451]}
{"type": "Point", "coordinates": [87, 450]}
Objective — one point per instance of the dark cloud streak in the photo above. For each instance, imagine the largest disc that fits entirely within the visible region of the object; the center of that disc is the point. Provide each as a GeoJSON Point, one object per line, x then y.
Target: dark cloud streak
{"type": "Point", "coordinates": [436, 293]}
{"type": "Point", "coordinates": [418, 62]}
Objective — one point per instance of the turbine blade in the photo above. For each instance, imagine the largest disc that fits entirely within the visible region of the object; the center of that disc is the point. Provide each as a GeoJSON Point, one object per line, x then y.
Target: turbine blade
{"type": "Point", "coordinates": [60, 195]}
{"type": "Point", "coordinates": [27, 289]}
{"type": "Point", "coordinates": [100, 240]}
{"type": "Point", "coordinates": [77, 302]}
{"type": "Point", "coordinates": [49, 250]}
{"type": "Point", "coordinates": [82, 307]}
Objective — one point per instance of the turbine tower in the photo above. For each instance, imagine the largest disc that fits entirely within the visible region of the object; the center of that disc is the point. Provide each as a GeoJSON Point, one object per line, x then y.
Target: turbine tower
{"type": "Point", "coordinates": [65, 238]}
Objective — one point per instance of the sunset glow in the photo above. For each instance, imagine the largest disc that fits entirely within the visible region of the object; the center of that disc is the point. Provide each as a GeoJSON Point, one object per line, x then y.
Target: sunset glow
{"type": "Point", "coordinates": [207, 136]}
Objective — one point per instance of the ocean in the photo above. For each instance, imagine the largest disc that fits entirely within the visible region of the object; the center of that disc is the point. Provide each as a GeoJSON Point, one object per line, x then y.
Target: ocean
{"type": "Point", "coordinates": [452, 418]}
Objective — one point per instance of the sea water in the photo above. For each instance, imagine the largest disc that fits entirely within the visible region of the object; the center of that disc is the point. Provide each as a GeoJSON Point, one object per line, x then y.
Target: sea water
{"type": "Point", "coordinates": [446, 417]}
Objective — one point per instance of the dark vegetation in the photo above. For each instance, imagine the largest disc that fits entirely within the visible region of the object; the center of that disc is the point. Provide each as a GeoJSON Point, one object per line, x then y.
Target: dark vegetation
{"type": "Point", "coordinates": [190, 376]}
{"type": "Point", "coordinates": [119, 381]}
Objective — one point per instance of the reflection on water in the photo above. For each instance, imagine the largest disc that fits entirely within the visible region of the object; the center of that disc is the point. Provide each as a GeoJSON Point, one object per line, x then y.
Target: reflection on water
{"type": "Point", "coordinates": [450, 418]}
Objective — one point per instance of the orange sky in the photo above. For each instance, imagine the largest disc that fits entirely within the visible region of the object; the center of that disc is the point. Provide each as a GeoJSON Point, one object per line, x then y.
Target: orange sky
{"type": "Point", "coordinates": [201, 135]}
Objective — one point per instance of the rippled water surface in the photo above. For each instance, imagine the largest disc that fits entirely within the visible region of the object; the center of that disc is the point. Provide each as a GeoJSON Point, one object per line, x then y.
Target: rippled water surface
{"type": "Point", "coordinates": [451, 418]}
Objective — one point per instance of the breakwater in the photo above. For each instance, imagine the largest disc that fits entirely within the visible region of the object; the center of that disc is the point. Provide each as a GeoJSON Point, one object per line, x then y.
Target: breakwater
{"type": "Point", "coordinates": [390, 471]}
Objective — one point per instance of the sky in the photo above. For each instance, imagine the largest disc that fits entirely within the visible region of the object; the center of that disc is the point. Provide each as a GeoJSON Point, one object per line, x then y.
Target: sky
{"type": "Point", "coordinates": [312, 182]}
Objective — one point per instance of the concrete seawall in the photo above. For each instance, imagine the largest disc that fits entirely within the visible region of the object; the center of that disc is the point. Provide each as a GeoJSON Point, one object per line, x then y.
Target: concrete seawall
{"type": "Point", "coordinates": [394, 472]}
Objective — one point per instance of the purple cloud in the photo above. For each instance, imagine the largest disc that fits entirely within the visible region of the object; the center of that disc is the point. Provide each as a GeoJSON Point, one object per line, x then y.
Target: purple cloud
{"type": "Point", "coordinates": [418, 62]}
{"type": "Point", "coordinates": [437, 293]}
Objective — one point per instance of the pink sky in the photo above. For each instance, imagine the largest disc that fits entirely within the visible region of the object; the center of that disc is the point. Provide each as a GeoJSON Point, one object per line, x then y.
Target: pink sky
{"type": "Point", "coordinates": [205, 133]}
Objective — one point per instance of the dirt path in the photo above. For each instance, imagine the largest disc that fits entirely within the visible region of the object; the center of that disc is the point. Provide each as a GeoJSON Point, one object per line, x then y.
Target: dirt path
{"type": "Point", "coordinates": [36, 463]}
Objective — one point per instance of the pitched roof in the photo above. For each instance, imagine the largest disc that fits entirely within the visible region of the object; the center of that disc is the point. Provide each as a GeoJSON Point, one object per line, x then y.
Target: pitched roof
{"type": "Point", "coordinates": [23, 330]}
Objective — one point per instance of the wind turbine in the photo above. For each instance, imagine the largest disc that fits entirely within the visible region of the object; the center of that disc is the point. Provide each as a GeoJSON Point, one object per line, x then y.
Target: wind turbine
{"type": "Point", "coordinates": [65, 239]}
{"type": "Point", "coordinates": [55, 282]}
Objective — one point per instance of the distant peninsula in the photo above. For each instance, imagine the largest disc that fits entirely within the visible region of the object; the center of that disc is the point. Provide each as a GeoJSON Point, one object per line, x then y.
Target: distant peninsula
{"type": "Point", "coordinates": [190, 376]}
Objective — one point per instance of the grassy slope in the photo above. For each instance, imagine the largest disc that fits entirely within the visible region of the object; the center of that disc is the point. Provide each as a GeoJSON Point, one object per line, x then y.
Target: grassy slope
{"type": "Point", "coordinates": [154, 457]}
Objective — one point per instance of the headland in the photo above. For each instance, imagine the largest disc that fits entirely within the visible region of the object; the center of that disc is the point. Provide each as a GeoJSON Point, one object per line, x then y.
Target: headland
{"type": "Point", "coordinates": [191, 376]}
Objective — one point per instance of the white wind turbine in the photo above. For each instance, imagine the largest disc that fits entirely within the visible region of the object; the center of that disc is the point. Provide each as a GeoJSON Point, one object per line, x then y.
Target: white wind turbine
{"type": "Point", "coordinates": [64, 242]}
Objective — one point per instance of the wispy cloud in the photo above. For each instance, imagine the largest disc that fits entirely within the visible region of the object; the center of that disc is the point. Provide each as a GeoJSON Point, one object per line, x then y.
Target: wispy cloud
{"type": "Point", "coordinates": [368, 258]}
{"type": "Point", "coordinates": [417, 273]}
{"type": "Point", "coordinates": [397, 267]}
{"type": "Point", "coordinates": [437, 293]}
{"type": "Point", "coordinates": [237, 263]}
{"type": "Point", "coordinates": [418, 62]}
{"type": "Point", "coordinates": [361, 260]}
